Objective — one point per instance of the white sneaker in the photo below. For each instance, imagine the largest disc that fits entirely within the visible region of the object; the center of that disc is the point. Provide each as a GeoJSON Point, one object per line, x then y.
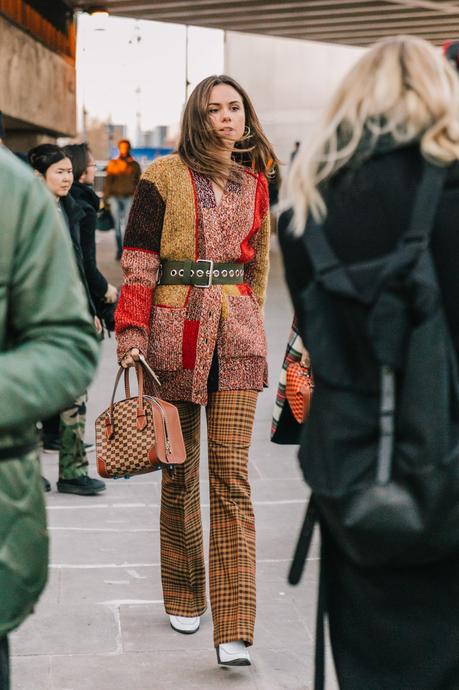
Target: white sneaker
{"type": "Point", "coordinates": [233, 654]}
{"type": "Point", "coordinates": [185, 624]}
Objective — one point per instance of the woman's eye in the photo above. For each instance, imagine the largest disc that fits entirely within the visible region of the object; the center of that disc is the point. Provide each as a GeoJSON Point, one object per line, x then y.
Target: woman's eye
{"type": "Point", "coordinates": [213, 110]}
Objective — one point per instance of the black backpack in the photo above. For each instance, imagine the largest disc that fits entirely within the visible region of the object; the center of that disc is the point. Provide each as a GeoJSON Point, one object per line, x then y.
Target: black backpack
{"type": "Point", "coordinates": [380, 449]}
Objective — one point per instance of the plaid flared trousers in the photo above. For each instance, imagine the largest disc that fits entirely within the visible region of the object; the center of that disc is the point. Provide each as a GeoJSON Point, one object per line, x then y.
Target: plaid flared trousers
{"type": "Point", "coordinates": [230, 416]}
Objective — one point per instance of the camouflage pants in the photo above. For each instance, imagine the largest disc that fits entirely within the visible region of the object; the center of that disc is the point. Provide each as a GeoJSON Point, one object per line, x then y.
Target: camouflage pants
{"type": "Point", "coordinates": [73, 462]}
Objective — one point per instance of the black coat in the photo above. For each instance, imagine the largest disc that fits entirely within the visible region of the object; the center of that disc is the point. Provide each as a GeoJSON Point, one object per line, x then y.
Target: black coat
{"type": "Point", "coordinates": [88, 201]}
{"type": "Point", "coordinates": [391, 629]}
{"type": "Point", "coordinates": [73, 214]}
{"type": "Point", "coordinates": [367, 211]}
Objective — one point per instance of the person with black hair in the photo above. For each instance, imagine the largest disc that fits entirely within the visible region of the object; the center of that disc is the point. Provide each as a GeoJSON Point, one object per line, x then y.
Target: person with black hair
{"type": "Point", "coordinates": [103, 294]}
{"type": "Point", "coordinates": [52, 164]}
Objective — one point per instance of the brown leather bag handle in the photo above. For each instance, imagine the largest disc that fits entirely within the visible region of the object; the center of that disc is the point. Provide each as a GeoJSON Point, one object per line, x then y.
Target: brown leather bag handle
{"type": "Point", "coordinates": [141, 416]}
{"type": "Point", "coordinates": [141, 419]}
{"type": "Point", "coordinates": [143, 361]}
{"type": "Point", "coordinates": [127, 387]}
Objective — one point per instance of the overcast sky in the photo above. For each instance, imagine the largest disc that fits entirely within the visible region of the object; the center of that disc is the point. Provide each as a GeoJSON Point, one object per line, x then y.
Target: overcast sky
{"type": "Point", "coordinates": [113, 64]}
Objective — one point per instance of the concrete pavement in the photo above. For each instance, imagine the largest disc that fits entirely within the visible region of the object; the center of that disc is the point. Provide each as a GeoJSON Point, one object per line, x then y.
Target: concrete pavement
{"type": "Point", "coordinates": [100, 624]}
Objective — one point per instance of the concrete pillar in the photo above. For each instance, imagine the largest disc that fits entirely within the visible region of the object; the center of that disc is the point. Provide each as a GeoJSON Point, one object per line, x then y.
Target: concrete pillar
{"type": "Point", "coordinates": [37, 89]}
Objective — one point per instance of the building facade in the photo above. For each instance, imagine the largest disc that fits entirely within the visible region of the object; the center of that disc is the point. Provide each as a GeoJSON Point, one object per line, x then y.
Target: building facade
{"type": "Point", "coordinates": [290, 82]}
{"type": "Point", "coordinates": [37, 71]}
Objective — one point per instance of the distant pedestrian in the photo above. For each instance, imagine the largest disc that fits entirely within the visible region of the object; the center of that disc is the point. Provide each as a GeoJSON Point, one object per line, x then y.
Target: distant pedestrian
{"type": "Point", "coordinates": [123, 175]}
{"type": "Point", "coordinates": [451, 52]}
{"type": "Point", "coordinates": [54, 166]}
{"type": "Point", "coordinates": [103, 294]}
{"type": "Point", "coordinates": [48, 354]}
{"type": "Point", "coordinates": [274, 186]}
{"type": "Point", "coordinates": [372, 261]}
{"type": "Point", "coordinates": [200, 224]}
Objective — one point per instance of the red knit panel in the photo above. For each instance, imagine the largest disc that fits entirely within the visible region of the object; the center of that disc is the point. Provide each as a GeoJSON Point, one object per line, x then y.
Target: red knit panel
{"type": "Point", "coordinates": [189, 344]}
{"type": "Point", "coordinates": [260, 208]}
{"type": "Point", "coordinates": [244, 289]}
{"type": "Point", "coordinates": [134, 308]}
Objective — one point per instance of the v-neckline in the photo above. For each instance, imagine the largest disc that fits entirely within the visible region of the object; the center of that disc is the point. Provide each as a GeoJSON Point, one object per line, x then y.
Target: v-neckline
{"type": "Point", "coordinates": [218, 203]}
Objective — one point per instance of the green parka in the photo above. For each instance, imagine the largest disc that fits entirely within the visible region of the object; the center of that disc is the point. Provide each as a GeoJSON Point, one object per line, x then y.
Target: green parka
{"type": "Point", "coordinates": [48, 355]}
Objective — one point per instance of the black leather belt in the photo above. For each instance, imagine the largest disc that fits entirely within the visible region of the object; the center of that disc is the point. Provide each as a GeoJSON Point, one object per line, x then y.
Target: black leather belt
{"type": "Point", "coordinates": [201, 273]}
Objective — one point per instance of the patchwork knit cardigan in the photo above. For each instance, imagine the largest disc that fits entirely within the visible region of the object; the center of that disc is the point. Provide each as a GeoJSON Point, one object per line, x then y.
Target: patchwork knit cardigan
{"type": "Point", "coordinates": [175, 216]}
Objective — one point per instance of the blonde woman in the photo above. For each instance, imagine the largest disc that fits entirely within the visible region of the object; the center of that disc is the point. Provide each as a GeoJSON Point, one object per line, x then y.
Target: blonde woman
{"type": "Point", "coordinates": [391, 628]}
{"type": "Point", "coordinates": [195, 266]}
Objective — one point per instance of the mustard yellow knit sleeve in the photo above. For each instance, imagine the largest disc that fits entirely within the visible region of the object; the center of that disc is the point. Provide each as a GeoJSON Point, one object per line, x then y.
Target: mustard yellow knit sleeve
{"type": "Point", "coordinates": [259, 275]}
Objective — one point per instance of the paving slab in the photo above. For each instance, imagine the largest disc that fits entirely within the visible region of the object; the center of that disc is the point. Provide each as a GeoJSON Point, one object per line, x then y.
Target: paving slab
{"type": "Point", "coordinates": [100, 625]}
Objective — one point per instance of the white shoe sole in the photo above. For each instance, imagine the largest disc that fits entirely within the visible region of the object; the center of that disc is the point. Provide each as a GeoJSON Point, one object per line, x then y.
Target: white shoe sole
{"type": "Point", "coordinates": [238, 661]}
{"type": "Point", "coordinates": [184, 632]}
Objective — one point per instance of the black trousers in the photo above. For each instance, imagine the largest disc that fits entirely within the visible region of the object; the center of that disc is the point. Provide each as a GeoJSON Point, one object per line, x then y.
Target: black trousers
{"type": "Point", "coordinates": [4, 664]}
{"type": "Point", "coordinates": [51, 427]}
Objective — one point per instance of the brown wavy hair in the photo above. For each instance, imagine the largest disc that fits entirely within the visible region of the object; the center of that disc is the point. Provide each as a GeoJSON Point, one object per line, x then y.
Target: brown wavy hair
{"type": "Point", "coordinates": [199, 144]}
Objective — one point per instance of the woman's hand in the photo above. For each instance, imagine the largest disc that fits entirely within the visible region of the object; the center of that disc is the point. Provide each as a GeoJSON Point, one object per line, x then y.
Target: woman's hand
{"type": "Point", "coordinates": [111, 295]}
{"type": "Point", "coordinates": [130, 358]}
{"type": "Point", "coordinates": [98, 325]}
{"type": "Point", "coordinates": [305, 360]}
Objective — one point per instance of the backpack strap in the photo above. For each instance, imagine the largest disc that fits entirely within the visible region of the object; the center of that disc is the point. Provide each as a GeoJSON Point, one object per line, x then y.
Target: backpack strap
{"type": "Point", "coordinates": [324, 260]}
{"type": "Point", "coordinates": [425, 204]}
{"type": "Point", "coordinates": [321, 614]}
{"type": "Point", "coordinates": [303, 544]}
{"type": "Point", "coordinates": [386, 425]}
{"type": "Point", "coordinates": [418, 234]}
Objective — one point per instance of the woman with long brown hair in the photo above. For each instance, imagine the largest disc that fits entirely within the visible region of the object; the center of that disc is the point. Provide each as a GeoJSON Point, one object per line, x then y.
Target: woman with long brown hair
{"type": "Point", "coordinates": [195, 264]}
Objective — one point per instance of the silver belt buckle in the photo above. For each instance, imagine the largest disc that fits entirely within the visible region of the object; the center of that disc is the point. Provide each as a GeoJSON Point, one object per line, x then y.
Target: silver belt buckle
{"type": "Point", "coordinates": [206, 272]}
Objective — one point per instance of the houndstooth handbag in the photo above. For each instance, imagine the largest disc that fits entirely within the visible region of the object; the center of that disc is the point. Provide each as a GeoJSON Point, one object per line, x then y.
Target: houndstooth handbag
{"type": "Point", "coordinates": [139, 434]}
{"type": "Point", "coordinates": [298, 390]}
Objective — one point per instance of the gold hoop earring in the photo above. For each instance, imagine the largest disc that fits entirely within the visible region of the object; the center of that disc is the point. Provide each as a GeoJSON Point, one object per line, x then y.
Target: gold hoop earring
{"type": "Point", "coordinates": [247, 132]}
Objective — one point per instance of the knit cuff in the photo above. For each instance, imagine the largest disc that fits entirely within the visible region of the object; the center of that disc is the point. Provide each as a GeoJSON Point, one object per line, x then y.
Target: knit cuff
{"type": "Point", "coordinates": [129, 338]}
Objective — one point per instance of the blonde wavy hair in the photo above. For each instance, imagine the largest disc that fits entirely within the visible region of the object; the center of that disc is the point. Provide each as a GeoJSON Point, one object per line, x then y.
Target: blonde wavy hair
{"type": "Point", "coordinates": [403, 89]}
